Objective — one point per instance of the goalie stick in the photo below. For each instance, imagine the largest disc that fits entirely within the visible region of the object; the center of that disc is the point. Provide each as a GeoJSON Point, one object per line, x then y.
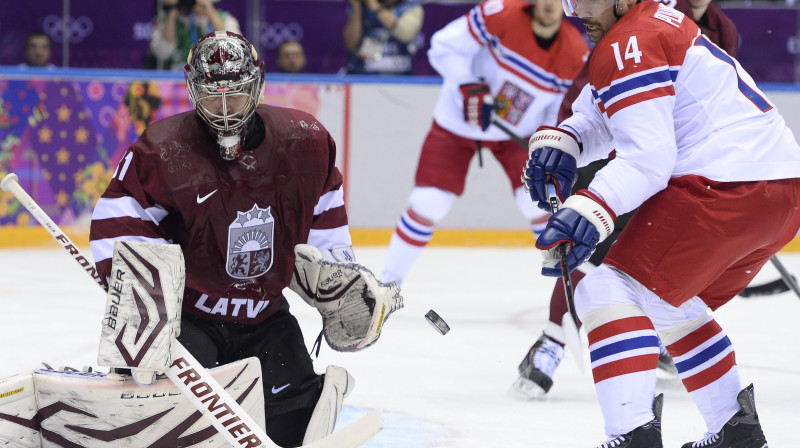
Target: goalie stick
{"type": "Point", "coordinates": [187, 373]}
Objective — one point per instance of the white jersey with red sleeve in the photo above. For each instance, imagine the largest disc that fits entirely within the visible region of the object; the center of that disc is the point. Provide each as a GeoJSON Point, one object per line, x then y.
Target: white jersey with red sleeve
{"type": "Point", "coordinates": [675, 105]}
{"type": "Point", "coordinates": [494, 42]}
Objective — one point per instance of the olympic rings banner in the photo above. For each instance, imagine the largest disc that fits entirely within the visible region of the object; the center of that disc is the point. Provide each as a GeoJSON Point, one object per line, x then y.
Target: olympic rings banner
{"type": "Point", "coordinates": [105, 34]}
{"type": "Point", "coordinates": [64, 138]}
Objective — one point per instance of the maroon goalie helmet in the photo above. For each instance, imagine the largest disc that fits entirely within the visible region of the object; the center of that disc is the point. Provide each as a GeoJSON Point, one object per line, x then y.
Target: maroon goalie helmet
{"type": "Point", "coordinates": [225, 81]}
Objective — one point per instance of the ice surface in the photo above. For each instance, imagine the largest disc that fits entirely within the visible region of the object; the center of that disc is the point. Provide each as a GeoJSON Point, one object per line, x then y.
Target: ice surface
{"type": "Point", "coordinates": [437, 391]}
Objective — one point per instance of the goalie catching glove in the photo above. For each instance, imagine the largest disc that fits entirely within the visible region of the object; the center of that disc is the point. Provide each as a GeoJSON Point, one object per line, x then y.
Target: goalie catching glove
{"type": "Point", "coordinates": [354, 305]}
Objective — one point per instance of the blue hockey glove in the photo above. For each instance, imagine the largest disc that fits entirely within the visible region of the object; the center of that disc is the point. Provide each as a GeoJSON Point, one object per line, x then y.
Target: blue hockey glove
{"type": "Point", "coordinates": [478, 104]}
{"type": "Point", "coordinates": [552, 158]}
{"type": "Point", "coordinates": [582, 223]}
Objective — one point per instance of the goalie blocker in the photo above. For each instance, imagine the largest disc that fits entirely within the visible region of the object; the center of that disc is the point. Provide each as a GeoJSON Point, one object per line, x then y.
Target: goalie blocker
{"type": "Point", "coordinates": [143, 308]}
{"type": "Point", "coordinates": [354, 305]}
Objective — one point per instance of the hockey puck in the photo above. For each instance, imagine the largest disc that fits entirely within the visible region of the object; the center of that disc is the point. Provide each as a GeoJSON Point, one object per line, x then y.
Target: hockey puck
{"type": "Point", "coordinates": [437, 322]}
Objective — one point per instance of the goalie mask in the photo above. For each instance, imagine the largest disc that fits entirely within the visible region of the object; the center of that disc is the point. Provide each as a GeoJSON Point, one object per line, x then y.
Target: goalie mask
{"type": "Point", "coordinates": [225, 81]}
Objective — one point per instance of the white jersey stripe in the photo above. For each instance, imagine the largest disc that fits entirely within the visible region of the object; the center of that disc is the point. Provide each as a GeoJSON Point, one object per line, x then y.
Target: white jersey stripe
{"type": "Point", "coordinates": [329, 238]}
{"type": "Point", "coordinates": [127, 207]}
{"type": "Point", "coordinates": [328, 201]}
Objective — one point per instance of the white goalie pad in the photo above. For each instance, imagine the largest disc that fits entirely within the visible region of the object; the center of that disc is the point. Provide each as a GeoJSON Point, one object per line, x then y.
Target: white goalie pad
{"type": "Point", "coordinates": [354, 305]}
{"type": "Point", "coordinates": [143, 309]}
{"type": "Point", "coordinates": [97, 410]}
{"type": "Point", "coordinates": [18, 427]}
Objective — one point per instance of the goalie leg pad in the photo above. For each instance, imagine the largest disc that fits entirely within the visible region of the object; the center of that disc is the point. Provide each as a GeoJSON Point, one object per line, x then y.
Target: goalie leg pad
{"type": "Point", "coordinates": [338, 384]}
{"type": "Point", "coordinates": [143, 309]}
{"type": "Point", "coordinates": [98, 410]}
{"type": "Point", "coordinates": [19, 427]}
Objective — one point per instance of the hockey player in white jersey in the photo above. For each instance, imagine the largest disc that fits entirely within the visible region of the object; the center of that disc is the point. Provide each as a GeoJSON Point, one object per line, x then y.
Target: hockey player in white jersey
{"type": "Point", "coordinates": [507, 59]}
{"type": "Point", "coordinates": [714, 170]}
{"type": "Point", "coordinates": [537, 369]}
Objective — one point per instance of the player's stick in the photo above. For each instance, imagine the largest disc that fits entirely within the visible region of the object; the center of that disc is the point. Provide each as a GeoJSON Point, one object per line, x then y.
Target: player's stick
{"type": "Point", "coordinates": [765, 289]}
{"type": "Point", "coordinates": [569, 322]}
{"type": "Point", "coordinates": [785, 276]}
{"type": "Point", "coordinates": [185, 366]}
{"type": "Point", "coordinates": [511, 134]}
{"type": "Point", "coordinates": [778, 286]}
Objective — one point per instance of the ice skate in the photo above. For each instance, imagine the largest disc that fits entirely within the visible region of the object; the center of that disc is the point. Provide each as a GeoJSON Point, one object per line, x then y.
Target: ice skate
{"type": "Point", "coordinates": [743, 430]}
{"type": "Point", "coordinates": [537, 368]}
{"type": "Point", "coordinates": [645, 436]}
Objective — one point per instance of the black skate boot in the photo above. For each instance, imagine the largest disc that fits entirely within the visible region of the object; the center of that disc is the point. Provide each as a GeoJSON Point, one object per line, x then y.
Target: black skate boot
{"type": "Point", "coordinates": [537, 368]}
{"type": "Point", "coordinates": [743, 430]}
{"type": "Point", "coordinates": [645, 436]}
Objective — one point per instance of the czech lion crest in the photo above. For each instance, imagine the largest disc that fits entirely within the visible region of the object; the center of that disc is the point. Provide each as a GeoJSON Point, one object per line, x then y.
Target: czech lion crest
{"type": "Point", "coordinates": [250, 243]}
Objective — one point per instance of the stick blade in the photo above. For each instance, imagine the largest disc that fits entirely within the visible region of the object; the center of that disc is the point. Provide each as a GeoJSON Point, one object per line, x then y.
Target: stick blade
{"type": "Point", "coordinates": [767, 289]}
{"type": "Point", "coordinates": [353, 435]}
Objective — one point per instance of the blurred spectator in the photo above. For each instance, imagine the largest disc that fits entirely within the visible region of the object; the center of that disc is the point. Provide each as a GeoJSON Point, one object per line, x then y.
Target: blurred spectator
{"type": "Point", "coordinates": [380, 36]}
{"type": "Point", "coordinates": [714, 23]}
{"type": "Point", "coordinates": [290, 57]}
{"type": "Point", "coordinates": [38, 50]}
{"type": "Point", "coordinates": [181, 24]}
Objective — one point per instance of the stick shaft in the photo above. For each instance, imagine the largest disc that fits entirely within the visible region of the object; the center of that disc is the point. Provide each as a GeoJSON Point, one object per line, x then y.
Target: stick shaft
{"type": "Point", "coordinates": [519, 140]}
{"type": "Point", "coordinates": [185, 371]}
{"type": "Point", "coordinates": [11, 184]}
{"type": "Point", "coordinates": [569, 291]}
{"type": "Point", "coordinates": [787, 278]}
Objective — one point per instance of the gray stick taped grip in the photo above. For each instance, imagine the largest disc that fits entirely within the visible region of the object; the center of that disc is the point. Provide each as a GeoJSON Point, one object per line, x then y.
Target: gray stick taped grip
{"type": "Point", "coordinates": [437, 322]}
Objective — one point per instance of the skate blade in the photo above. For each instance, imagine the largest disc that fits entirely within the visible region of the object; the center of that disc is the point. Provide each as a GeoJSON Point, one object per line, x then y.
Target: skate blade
{"type": "Point", "coordinates": [526, 390]}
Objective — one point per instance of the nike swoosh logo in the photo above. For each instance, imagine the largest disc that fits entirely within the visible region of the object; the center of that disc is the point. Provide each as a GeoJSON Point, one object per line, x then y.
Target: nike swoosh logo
{"type": "Point", "coordinates": [200, 200]}
{"type": "Point", "coordinates": [275, 390]}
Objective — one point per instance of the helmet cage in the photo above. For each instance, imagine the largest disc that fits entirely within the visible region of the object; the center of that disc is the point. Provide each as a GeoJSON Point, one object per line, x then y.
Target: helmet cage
{"type": "Point", "coordinates": [225, 106]}
{"type": "Point", "coordinates": [225, 81]}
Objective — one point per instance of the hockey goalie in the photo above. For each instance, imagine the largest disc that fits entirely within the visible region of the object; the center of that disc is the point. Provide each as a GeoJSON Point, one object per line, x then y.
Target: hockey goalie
{"type": "Point", "coordinates": [135, 406]}
{"type": "Point", "coordinates": [131, 405]}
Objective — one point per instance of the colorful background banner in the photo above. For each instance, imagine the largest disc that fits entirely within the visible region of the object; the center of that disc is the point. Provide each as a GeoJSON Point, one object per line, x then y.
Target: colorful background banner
{"type": "Point", "coordinates": [64, 137]}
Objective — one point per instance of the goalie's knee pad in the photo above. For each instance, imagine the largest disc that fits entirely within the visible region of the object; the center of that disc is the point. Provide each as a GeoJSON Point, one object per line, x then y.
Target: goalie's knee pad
{"type": "Point", "coordinates": [338, 384]}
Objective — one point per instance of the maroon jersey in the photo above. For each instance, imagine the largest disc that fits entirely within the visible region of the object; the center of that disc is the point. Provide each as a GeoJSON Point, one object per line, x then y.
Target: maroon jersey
{"type": "Point", "coordinates": [714, 24]}
{"type": "Point", "coordinates": [719, 28]}
{"type": "Point", "coordinates": [236, 221]}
